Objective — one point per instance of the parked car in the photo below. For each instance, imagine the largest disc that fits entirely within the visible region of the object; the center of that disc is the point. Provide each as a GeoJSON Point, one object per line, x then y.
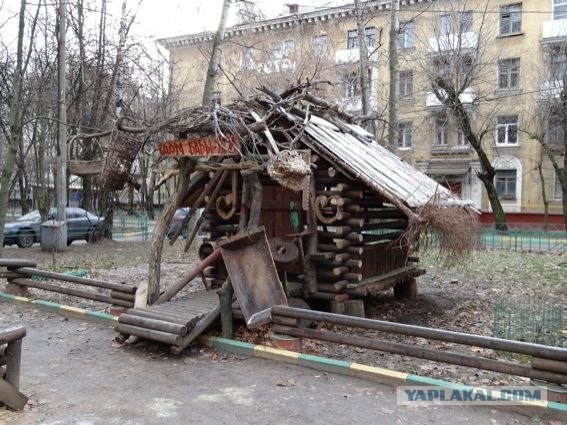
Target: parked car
{"type": "Point", "coordinates": [177, 221]}
{"type": "Point", "coordinates": [25, 231]}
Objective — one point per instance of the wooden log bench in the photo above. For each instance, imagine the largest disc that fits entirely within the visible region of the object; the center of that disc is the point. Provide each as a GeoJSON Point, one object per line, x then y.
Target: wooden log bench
{"type": "Point", "coordinates": [10, 360]}
{"type": "Point", "coordinates": [21, 273]}
{"type": "Point", "coordinates": [176, 323]}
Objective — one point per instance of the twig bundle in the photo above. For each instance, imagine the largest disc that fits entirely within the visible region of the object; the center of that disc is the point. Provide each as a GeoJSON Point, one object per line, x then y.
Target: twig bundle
{"type": "Point", "coordinates": [454, 229]}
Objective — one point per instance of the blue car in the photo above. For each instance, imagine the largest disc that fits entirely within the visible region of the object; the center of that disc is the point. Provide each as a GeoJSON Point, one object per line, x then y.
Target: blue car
{"type": "Point", "coordinates": [25, 231]}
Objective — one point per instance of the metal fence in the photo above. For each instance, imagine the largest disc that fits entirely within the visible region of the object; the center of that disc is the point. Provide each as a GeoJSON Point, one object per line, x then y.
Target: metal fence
{"type": "Point", "coordinates": [524, 239]}
{"type": "Point", "coordinates": [126, 226]}
{"type": "Point", "coordinates": [527, 321]}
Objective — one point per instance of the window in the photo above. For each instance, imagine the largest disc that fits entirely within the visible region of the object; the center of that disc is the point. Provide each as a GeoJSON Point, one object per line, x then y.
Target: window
{"type": "Point", "coordinates": [404, 135]}
{"type": "Point", "coordinates": [370, 34]}
{"type": "Point", "coordinates": [248, 58]}
{"type": "Point", "coordinates": [406, 37]}
{"type": "Point", "coordinates": [319, 46]}
{"type": "Point", "coordinates": [555, 130]}
{"type": "Point", "coordinates": [509, 73]}
{"type": "Point", "coordinates": [441, 131]}
{"type": "Point", "coordinates": [506, 184]}
{"type": "Point", "coordinates": [406, 84]}
{"type": "Point", "coordinates": [445, 25]}
{"type": "Point", "coordinates": [461, 138]}
{"type": "Point", "coordinates": [558, 192]}
{"type": "Point", "coordinates": [350, 85]}
{"type": "Point", "coordinates": [352, 39]}
{"type": "Point", "coordinates": [558, 64]}
{"type": "Point", "coordinates": [507, 130]}
{"type": "Point", "coordinates": [559, 9]}
{"type": "Point", "coordinates": [288, 47]}
{"type": "Point", "coordinates": [511, 19]}
{"type": "Point", "coordinates": [466, 21]}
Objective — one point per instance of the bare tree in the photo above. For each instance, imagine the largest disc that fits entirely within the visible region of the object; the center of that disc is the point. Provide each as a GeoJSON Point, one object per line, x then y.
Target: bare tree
{"type": "Point", "coordinates": [546, 123]}
{"type": "Point", "coordinates": [14, 123]}
{"type": "Point", "coordinates": [150, 293]}
{"type": "Point", "coordinates": [458, 69]}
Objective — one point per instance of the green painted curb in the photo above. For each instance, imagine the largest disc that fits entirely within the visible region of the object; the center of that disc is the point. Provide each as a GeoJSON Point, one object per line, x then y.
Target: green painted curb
{"type": "Point", "coordinates": [324, 364]}
{"type": "Point", "coordinates": [554, 405]}
{"type": "Point", "coordinates": [99, 317]}
{"type": "Point", "coordinates": [234, 346]}
{"type": "Point", "coordinates": [61, 309]}
{"type": "Point", "coordinates": [342, 367]}
{"type": "Point", "coordinates": [46, 306]}
{"type": "Point", "coordinates": [7, 297]}
{"type": "Point", "coordinates": [424, 380]}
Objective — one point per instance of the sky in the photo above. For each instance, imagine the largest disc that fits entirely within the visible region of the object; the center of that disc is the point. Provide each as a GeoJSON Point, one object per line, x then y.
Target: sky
{"type": "Point", "coordinates": [161, 18]}
{"type": "Point", "coordinates": [166, 18]}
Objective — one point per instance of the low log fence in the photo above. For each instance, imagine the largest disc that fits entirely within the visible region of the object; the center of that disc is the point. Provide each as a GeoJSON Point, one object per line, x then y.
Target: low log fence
{"type": "Point", "coordinates": [10, 360]}
{"type": "Point", "coordinates": [20, 272]}
{"type": "Point", "coordinates": [547, 363]}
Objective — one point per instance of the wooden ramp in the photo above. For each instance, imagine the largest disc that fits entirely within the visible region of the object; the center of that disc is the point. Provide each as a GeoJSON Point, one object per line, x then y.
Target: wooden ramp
{"type": "Point", "coordinates": [176, 323]}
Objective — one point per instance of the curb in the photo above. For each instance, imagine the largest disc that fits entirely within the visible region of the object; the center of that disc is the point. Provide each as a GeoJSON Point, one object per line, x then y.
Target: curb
{"type": "Point", "coordinates": [340, 367]}
{"type": "Point", "coordinates": [63, 310]}
{"type": "Point", "coordinates": [323, 364]}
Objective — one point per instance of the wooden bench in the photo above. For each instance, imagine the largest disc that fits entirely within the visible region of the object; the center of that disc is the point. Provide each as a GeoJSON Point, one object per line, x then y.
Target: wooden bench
{"type": "Point", "coordinates": [10, 359]}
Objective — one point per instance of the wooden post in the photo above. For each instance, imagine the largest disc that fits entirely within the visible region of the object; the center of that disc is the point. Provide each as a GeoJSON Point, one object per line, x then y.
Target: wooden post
{"type": "Point", "coordinates": [256, 204]}
{"type": "Point", "coordinates": [13, 361]}
{"type": "Point", "coordinates": [225, 297]}
{"type": "Point", "coordinates": [312, 242]}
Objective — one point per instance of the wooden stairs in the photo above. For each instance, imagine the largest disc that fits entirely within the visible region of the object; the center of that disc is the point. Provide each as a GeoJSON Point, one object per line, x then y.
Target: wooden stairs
{"type": "Point", "coordinates": [176, 323]}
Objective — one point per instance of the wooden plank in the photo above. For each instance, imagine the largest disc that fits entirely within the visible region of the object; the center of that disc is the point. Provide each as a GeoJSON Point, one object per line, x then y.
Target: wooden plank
{"type": "Point", "coordinates": [199, 328]}
{"type": "Point", "coordinates": [11, 397]}
{"type": "Point", "coordinates": [204, 146]}
{"type": "Point", "coordinates": [16, 262]}
{"type": "Point", "coordinates": [153, 315]}
{"type": "Point", "coordinates": [159, 336]}
{"type": "Point", "coordinates": [12, 334]}
{"type": "Point", "coordinates": [122, 287]}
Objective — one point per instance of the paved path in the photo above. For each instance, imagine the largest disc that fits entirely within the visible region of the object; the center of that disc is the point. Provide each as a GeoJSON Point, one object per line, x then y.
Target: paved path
{"type": "Point", "coordinates": [75, 374]}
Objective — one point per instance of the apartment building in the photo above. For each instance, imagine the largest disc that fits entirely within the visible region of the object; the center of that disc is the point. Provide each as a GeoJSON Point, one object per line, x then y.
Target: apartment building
{"type": "Point", "coordinates": [507, 59]}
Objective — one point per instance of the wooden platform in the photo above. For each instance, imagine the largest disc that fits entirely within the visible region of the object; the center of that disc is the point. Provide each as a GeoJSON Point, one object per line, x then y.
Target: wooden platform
{"type": "Point", "coordinates": [176, 323]}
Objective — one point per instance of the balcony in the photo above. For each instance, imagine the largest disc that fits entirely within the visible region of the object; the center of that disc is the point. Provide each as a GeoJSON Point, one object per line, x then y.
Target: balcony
{"type": "Point", "coordinates": [450, 149]}
{"type": "Point", "coordinates": [279, 64]}
{"type": "Point", "coordinates": [550, 90]}
{"type": "Point", "coordinates": [467, 97]}
{"type": "Point", "coordinates": [452, 42]}
{"type": "Point", "coordinates": [344, 56]}
{"type": "Point", "coordinates": [354, 104]}
{"type": "Point", "coordinates": [554, 30]}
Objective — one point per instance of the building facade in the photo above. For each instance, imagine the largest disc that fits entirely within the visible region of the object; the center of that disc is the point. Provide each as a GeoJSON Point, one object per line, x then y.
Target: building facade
{"type": "Point", "coordinates": [507, 59]}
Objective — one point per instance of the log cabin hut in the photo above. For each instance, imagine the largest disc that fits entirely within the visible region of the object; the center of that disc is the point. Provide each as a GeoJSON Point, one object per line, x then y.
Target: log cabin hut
{"type": "Point", "coordinates": [341, 213]}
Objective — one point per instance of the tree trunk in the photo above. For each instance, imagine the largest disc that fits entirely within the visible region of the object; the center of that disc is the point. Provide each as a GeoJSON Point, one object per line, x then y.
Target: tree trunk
{"type": "Point", "coordinates": [149, 293]}
{"type": "Point", "coordinates": [543, 191]}
{"type": "Point", "coordinates": [487, 172]}
{"type": "Point", "coordinates": [562, 174]}
{"type": "Point", "coordinates": [394, 76]}
{"type": "Point", "coordinates": [214, 62]}
{"type": "Point", "coordinates": [363, 62]}
{"type": "Point", "coordinates": [14, 125]}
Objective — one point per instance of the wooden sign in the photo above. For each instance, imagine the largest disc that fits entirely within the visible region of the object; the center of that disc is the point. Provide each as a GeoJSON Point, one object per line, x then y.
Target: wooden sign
{"type": "Point", "coordinates": [205, 146]}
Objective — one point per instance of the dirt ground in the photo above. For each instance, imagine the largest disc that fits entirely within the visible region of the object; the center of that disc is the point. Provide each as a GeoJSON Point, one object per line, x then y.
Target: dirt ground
{"type": "Point", "coordinates": [483, 279]}
{"type": "Point", "coordinates": [75, 375]}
